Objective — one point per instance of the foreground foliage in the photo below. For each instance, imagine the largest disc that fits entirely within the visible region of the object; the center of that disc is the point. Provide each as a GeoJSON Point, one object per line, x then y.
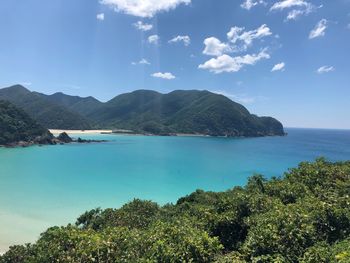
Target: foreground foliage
{"type": "Point", "coordinates": [302, 217]}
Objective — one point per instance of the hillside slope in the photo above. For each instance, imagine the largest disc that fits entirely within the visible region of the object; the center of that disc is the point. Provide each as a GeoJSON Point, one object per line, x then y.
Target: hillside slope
{"type": "Point", "coordinates": [82, 106]}
{"type": "Point", "coordinates": [48, 114]}
{"type": "Point", "coordinates": [190, 111]}
{"type": "Point", "coordinates": [146, 111]}
{"type": "Point", "coordinates": [16, 125]}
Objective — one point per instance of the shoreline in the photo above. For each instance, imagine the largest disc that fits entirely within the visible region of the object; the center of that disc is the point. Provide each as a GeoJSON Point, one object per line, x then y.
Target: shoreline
{"type": "Point", "coordinates": [118, 132]}
{"type": "Point", "coordinates": [57, 137]}
{"type": "Point", "coordinates": [58, 131]}
{"type": "Point", "coordinates": [127, 132]}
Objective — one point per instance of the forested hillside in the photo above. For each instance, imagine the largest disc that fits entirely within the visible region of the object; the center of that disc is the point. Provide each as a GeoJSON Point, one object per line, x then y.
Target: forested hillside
{"type": "Point", "coordinates": [46, 113]}
{"type": "Point", "coordinates": [16, 125]}
{"type": "Point", "coordinates": [145, 111]}
{"type": "Point", "coordinates": [183, 111]}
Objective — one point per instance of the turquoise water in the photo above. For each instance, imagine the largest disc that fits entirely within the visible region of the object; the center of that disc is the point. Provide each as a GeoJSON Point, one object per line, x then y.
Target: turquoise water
{"type": "Point", "coordinates": [52, 185]}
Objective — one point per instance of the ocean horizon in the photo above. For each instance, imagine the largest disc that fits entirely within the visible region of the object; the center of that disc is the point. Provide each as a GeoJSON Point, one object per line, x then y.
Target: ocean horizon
{"type": "Point", "coordinates": [52, 185]}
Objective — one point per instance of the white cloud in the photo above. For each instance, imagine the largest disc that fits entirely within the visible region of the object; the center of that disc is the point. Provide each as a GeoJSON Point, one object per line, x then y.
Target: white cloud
{"type": "Point", "coordinates": [248, 4]}
{"type": "Point", "coordinates": [141, 62]}
{"type": "Point", "coordinates": [214, 47]}
{"type": "Point", "coordinates": [325, 69]}
{"type": "Point", "coordinates": [319, 29]}
{"type": "Point", "coordinates": [234, 33]}
{"type": "Point", "coordinates": [300, 8]}
{"type": "Point", "coordinates": [143, 8]}
{"type": "Point", "coordinates": [238, 40]}
{"type": "Point", "coordinates": [154, 39]}
{"type": "Point", "coordinates": [100, 16]}
{"type": "Point", "coordinates": [165, 75]}
{"type": "Point", "coordinates": [288, 4]}
{"type": "Point", "coordinates": [237, 34]}
{"type": "Point", "coordinates": [143, 27]}
{"type": "Point", "coordinates": [185, 39]}
{"type": "Point", "coordinates": [296, 13]}
{"type": "Point", "coordinates": [226, 63]}
{"type": "Point", "coordinates": [278, 67]}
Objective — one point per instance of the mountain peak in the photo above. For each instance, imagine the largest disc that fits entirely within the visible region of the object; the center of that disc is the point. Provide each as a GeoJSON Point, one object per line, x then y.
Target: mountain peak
{"type": "Point", "coordinates": [17, 88]}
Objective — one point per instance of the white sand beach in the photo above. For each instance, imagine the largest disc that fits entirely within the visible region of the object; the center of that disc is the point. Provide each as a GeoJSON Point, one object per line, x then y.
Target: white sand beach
{"type": "Point", "coordinates": [54, 131]}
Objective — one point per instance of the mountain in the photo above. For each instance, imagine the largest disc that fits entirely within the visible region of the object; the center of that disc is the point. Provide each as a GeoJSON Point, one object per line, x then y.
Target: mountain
{"type": "Point", "coordinates": [83, 106]}
{"type": "Point", "coordinates": [16, 125]}
{"type": "Point", "coordinates": [47, 113]}
{"type": "Point", "coordinates": [146, 111]}
{"type": "Point", "coordinates": [183, 111]}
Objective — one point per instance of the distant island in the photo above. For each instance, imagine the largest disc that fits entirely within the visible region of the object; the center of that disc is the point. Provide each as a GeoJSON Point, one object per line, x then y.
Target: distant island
{"type": "Point", "coordinates": [146, 112]}
{"type": "Point", "coordinates": [17, 128]}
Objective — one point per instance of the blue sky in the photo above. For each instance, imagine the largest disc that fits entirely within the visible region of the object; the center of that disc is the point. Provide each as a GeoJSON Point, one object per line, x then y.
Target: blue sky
{"type": "Point", "coordinates": [104, 48]}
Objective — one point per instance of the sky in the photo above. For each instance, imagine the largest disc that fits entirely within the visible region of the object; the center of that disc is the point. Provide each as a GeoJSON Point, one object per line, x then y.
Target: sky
{"type": "Point", "coordinates": [289, 59]}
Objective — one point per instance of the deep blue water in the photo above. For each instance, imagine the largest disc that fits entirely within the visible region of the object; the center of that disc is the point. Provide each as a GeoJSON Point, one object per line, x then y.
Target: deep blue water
{"type": "Point", "coordinates": [52, 185]}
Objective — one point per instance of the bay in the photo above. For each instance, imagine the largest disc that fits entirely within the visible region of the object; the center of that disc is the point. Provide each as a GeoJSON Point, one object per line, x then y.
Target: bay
{"type": "Point", "coordinates": [52, 185]}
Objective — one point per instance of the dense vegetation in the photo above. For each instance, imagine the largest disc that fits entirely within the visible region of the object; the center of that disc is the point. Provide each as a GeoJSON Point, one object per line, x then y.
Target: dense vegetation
{"type": "Point", "coordinates": [82, 106]}
{"type": "Point", "coordinates": [183, 111]}
{"type": "Point", "coordinates": [302, 217]}
{"type": "Point", "coordinates": [16, 125]}
{"type": "Point", "coordinates": [46, 113]}
{"type": "Point", "coordinates": [145, 111]}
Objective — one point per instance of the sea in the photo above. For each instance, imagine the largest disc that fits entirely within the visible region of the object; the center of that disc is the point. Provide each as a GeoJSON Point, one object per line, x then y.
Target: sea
{"type": "Point", "coordinates": [52, 185]}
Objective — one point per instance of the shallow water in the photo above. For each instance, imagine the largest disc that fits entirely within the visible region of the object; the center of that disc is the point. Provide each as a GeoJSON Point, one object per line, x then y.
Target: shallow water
{"type": "Point", "coordinates": [53, 185]}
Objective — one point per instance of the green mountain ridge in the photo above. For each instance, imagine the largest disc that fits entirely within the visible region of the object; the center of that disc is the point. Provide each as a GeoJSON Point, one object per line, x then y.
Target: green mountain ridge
{"type": "Point", "coordinates": [82, 106]}
{"type": "Point", "coordinates": [48, 114]}
{"type": "Point", "coordinates": [146, 111]}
